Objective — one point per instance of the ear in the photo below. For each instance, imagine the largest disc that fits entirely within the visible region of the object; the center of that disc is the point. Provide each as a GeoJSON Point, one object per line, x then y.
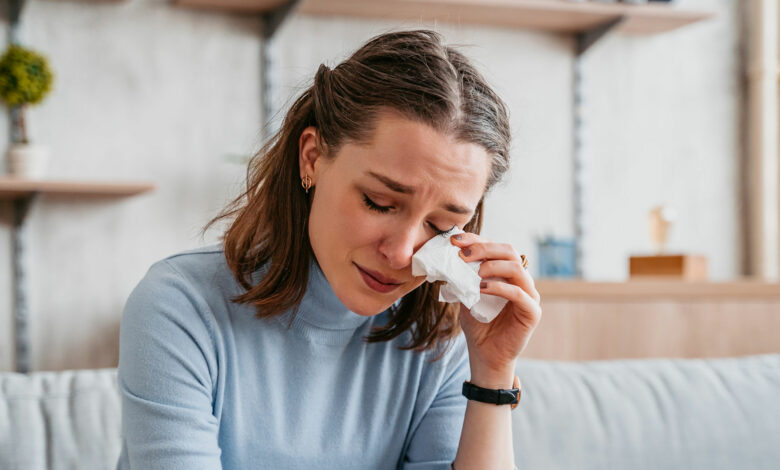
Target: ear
{"type": "Point", "coordinates": [309, 152]}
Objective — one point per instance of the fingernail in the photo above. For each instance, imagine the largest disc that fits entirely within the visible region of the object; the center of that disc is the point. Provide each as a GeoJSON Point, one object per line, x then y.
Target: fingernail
{"type": "Point", "coordinates": [482, 285]}
{"type": "Point", "coordinates": [457, 237]}
{"type": "Point", "coordinates": [466, 252]}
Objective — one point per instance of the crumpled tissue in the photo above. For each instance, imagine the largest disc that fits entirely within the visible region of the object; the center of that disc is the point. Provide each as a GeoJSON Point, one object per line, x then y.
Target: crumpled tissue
{"type": "Point", "coordinates": [438, 260]}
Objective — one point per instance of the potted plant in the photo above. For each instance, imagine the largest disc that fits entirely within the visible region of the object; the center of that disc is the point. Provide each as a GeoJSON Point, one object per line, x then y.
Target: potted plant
{"type": "Point", "coordinates": [25, 79]}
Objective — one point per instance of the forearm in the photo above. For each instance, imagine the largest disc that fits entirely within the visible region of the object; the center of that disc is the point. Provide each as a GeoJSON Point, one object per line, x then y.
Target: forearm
{"type": "Point", "coordinates": [486, 437]}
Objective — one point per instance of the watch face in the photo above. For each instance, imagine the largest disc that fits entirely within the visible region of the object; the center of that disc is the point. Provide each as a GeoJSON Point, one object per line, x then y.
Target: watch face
{"type": "Point", "coordinates": [516, 384]}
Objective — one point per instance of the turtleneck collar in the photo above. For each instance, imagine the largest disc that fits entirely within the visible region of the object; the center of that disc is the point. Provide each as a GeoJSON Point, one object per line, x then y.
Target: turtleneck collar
{"type": "Point", "coordinates": [321, 317]}
{"type": "Point", "coordinates": [321, 307]}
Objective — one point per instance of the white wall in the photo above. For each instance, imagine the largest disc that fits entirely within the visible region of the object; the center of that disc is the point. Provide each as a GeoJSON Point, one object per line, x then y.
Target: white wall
{"type": "Point", "coordinates": [151, 92]}
{"type": "Point", "coordinates": [143, 91]}
{"type": "Point", "coordinates": [664, 116]}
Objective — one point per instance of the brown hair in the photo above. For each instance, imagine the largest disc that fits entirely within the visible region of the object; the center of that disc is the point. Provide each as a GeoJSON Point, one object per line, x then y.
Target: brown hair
{"type": "Point", "coordinates": [411, 72]}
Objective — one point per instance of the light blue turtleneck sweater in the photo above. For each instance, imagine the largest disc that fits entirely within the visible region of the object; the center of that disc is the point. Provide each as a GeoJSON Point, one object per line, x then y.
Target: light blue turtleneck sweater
{"type": "Point", "coordinates": [207, 385]}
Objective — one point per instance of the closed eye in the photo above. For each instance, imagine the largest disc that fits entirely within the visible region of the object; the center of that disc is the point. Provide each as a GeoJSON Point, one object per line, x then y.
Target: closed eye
{"type": "Point", "coordinates": [435, 229]}
{"type": "Point", "coordinates": [374, 206]}
{"type": "Point", "coordinates": [385, 209]}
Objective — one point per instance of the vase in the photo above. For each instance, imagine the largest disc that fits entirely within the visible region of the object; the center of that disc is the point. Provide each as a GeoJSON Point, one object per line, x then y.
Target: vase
{"type": "Point", "coordinates": [28, 161]}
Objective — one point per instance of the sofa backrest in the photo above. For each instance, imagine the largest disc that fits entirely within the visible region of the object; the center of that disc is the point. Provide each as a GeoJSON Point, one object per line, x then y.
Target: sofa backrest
{"type": "Point", "coordinates": [649, 414]}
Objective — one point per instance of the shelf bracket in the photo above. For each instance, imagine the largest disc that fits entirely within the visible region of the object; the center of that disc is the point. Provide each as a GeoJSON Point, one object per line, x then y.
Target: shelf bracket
{"type": "Point", "coordinates": [14, 9]}
{"type": "Point", "coordinates": [21, 207]}
{"type": "Point", "coordinates": [590, 37]}
{"type": "Point", "coordinates": [21, 316]}
{"type": "Point", "coordinates": [274, 18]}
{"type": "Point", "coordinates": [271, 21]}
{"type": "Point", "coordinates": [580, 189]}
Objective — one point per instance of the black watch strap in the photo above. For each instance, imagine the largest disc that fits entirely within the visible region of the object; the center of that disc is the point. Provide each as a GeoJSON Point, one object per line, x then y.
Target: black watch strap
{"type": "Point", "coordinates": [494, 396]}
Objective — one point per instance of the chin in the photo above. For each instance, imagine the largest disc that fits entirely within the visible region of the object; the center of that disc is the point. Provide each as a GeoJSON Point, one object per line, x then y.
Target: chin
{"type": "Point", "coordinates": [366, 306]}
{"type": "Point", "coordinates": [360, 300]}
{"type": "Point", "coordinates": [367, 303]}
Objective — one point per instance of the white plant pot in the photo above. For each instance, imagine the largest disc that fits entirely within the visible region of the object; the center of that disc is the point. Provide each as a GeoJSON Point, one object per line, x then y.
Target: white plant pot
{"type": "Point", "coordinates": [28, 161]}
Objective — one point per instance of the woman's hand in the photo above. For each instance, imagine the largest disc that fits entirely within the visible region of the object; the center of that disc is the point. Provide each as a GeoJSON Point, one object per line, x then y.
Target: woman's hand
{"type": "Point", "coordinates": [494, 347]}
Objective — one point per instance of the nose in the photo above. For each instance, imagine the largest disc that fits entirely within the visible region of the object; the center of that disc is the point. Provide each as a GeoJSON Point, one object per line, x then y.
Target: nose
{"type": "Point", "coordinates": [400, 243]}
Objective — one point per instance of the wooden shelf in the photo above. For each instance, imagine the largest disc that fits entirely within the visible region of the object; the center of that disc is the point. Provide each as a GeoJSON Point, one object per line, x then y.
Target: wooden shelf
{"type": "Point", "coordinates": [549, 15]}
{"type": "Point", "coordinates": [245, 6]}
{"type": "Point", "coordinates": [657, 289]}
{"type": "Point", "coordinates": [11, 188]}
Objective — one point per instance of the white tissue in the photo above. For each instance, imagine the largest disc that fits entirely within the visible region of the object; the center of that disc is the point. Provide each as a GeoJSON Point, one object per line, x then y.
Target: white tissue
{"type": "Point", "coordinates": [438, 260]}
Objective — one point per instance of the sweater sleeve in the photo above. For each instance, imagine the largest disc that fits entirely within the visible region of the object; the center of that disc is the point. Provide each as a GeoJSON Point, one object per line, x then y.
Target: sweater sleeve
{"type": "Point", "coordinates": [434, 440]}
{"type": "Point", "coordinates": [167, 369]}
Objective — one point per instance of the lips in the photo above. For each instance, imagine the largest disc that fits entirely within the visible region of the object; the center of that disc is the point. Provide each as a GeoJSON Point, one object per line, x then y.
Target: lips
{"type": "Point", "coordinates": [377, 281]}
{"type": "Point", "coordinates": [378, 276]}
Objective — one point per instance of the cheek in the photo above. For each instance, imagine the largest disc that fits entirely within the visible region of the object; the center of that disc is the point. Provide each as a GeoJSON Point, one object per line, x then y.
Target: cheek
{"type": "Point", "coordinates": [341, 220]}
{"type": "Point", "coordinates": [363, 228]}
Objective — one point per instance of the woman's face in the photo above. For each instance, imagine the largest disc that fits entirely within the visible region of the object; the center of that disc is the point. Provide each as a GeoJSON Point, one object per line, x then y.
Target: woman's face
{"type": "Point", "coordinates": [375, 204]}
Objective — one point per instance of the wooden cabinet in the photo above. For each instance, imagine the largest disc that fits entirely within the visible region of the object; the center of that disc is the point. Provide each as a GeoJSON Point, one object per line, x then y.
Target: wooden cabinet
{"type": "Point", "coordinates": [591, 320]}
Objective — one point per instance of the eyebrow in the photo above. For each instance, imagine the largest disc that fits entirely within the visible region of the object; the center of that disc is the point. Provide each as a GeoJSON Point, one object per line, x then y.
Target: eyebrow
{"type": "Point", "coordinates": [394, 185]}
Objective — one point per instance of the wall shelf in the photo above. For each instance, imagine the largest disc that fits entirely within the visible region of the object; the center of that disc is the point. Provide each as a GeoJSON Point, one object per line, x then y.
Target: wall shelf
{"type": "Point", "coordinates": [548, 15]}
{"type": "Point", "coordinates": [242, 6]}
{"type": "Point", "coordinates": [12, 188]}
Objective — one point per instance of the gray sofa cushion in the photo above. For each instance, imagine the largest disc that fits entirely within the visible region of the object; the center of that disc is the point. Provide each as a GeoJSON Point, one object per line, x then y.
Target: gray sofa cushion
{"type": "Point", "coordinates": [649, 414]}
{"type": "Point", "coordinates": [59, 420]}
{"type": "Point", "coordinates": [627, 414]}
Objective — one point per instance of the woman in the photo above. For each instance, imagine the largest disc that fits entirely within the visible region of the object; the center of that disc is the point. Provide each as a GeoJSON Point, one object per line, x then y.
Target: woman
{"type": "Point", "coordinates": [303, 340]}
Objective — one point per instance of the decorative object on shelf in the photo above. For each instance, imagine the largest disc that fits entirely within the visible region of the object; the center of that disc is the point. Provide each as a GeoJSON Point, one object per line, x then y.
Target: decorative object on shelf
{"type": "Point", "coordinates": [680, 266]}
{"type": "Point", "coordinates": [25, 79]}
{"type": "Point", "coordinates": [683, 267]}
{"type": "Point", "coordinates": [557, 257]}
{"type": "Point", "coordinates": [660, 220]}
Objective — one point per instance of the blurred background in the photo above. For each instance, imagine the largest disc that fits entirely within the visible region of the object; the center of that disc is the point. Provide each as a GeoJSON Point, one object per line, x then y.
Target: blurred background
{"type": "Point", "coordinates": [642, 131]}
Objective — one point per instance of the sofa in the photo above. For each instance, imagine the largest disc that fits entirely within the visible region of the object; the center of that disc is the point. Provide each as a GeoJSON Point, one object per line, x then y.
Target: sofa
{"type": "Point", "coordinates": [618, 414]}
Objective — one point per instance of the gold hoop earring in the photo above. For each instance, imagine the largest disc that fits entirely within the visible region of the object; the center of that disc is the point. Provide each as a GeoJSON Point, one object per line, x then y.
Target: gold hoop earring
{"type": "Point", "coordinates": [306, 183]}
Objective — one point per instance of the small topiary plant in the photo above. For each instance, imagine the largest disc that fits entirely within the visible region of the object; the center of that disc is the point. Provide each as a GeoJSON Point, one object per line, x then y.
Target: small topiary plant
{"type": "Point", "coordinates": [25, 79]}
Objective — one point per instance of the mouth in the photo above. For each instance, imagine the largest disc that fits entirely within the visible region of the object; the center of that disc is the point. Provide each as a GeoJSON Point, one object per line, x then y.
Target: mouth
{"type": "Point", "coordinates": [377, 281]}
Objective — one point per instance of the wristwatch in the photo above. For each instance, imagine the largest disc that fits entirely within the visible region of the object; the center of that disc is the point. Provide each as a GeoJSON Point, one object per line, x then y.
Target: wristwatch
{"type": "Point", "coordinates": [495, 396]}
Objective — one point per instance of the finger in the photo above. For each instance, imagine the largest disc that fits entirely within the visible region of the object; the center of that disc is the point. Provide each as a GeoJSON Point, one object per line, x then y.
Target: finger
{"type": "Point", "coordinates": [531, 309]}
{"type": "Point", "coordinates": [477, 248]}
{"type": "Point", "coordinates": [484, 250]}
{"type": "Point", "coordinates": [466, 239]}
{"type": "Point", "coordinates": [513, 272]}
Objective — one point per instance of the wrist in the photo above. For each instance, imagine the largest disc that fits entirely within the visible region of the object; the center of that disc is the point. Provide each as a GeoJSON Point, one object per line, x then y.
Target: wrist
{"type": "Point", "coordinates": [493, 377]}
